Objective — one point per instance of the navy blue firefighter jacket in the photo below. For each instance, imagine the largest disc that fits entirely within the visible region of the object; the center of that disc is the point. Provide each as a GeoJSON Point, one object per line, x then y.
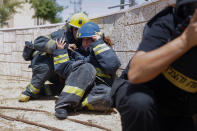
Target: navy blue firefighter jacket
{"type": "Point", "coordinates": [99, 54]}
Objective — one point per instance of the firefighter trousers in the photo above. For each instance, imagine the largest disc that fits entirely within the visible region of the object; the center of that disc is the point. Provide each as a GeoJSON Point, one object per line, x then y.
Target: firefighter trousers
{"type": "Point", "coordinates": [145, 109]}
{"type": "Point", "coordinates": [82, 91]}
{"type": "Point", "coordinates": [43, 70]}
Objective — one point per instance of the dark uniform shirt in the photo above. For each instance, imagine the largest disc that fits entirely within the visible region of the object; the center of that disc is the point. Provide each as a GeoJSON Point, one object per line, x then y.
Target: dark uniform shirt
{"type": "Point", "coordinates": [175, 87]}
{"type": "Point", "coordinates": [182, 73]}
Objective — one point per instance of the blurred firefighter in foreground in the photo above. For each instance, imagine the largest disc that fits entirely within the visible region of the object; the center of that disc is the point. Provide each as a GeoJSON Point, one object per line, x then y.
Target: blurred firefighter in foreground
{"type": "Point", "coordinates": [158, 90]}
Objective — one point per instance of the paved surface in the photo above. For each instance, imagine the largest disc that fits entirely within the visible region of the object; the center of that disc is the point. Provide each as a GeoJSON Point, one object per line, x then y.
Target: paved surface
{"type": "Point", "coordinates": [9, 93]}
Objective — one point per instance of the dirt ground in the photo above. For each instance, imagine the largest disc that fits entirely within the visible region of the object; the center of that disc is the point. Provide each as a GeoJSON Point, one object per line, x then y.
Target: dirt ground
{"type": "Point", "coordinates": [9, 93]}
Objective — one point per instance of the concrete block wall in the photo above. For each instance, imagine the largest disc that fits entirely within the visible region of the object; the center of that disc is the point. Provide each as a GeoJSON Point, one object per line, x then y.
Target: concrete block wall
{"type": "Point", "coordinates": [124, 28]}
{"type": "Point", "coordinates": [12, 66]}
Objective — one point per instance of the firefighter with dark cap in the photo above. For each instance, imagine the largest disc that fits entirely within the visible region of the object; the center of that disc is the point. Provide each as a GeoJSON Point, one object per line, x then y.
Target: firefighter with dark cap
{"type": "Point", "coordinates": [158, 90]}
{"type": "Point", "coordinates": [42, 63]}
{"type": "Point", "coordinates": [88, 83]}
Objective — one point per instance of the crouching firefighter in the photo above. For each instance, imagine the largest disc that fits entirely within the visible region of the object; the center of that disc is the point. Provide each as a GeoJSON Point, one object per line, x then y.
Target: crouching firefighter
{"type": "Point", "coordinates": [158, 91]}
{"type": "Point", "coordinates": [42, 62]}
{"type": "Point", "coordinates": [91, 75]}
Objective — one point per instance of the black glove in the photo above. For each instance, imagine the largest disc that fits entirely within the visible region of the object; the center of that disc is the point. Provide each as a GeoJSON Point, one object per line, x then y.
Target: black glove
{"type": "Point", "coordinates": [28, 51]}
{"type": "Point", "coordinates": [29, 44]}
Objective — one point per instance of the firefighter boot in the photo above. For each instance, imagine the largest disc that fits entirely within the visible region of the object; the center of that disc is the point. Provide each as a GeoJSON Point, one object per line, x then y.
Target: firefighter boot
{"type": "Point", "coordinates": [61, 113]}
{"type": "Point", "coordinates": [23, 98]}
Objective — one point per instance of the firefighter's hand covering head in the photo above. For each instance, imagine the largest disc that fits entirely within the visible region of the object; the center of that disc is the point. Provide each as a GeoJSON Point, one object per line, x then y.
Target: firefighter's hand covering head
{"type": "Point", "coordinates": [185, 8]}
{"type": "Point", "coordinates": [78, 19]}
{"type": "Point", "coordinates": [89, 29]}
{"type": "Point", "coordinates": [89, 33]}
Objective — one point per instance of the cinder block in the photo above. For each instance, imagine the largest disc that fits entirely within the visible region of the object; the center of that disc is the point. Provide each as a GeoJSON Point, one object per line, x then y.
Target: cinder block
{"type": "Point", "coordinates": [133, 36]}
{"type": "Point", "coordinates": [1, 42]}
{"type": "Point", "coordinates": [148, 12]}
{"type": "Point", "coordinates": [119, 20]}
{"type": "Point", "coordinates": [140, 14]}
{"type": "Point", "coordinates": [118, 32]}
{"type": "Point", "coordinates": [44, 31]}
{"type": "Point", "coordinates": [108, 25]}
{"type": "Point", "coordinates": [29, 31]}
{"type": "Point", "coordinates": [128, 38]}
{"type": "Point", "coordinates": [14, 47]}
{"type": "Point", "coordinates": [2, 68]}
{"type": "Point", "coordinates": [117, 37]}
{"type": "Point", "coordinates": [25, 31]}
{"type": "Point", "coordinates": [7, 48]}
{"type": "Point", "coordinates": [16, 57]}
{"type": "Point", "coordinates": [15, 69]}
{"type": "Point", "coordinates": [20, 32]}
{"type": "Point", "coordinates": [51, 29]}
{"type": "Point", "coordinates": [125, 57]}
{"type": "Point", "coordinates": [36, 33]}
{"type": "Point", "coordinates": [108, 29]}
{"type": "Point", "coordinates": [133, 16]}
{"type": "Point", "coordinates": [2, 58]}
{"type": "Point", "coordinates": [7, 58]}
{"type": "Point", "coordinates": [9, 36]}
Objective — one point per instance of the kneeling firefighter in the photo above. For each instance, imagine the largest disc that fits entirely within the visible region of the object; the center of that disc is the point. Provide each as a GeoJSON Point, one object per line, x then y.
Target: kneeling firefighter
{"type": "Point", "coordinates": [158, 91]}
{"type": "Point", "coordinates": [88, 83]}
{"type": "Point", "coordinates": [42, 63]}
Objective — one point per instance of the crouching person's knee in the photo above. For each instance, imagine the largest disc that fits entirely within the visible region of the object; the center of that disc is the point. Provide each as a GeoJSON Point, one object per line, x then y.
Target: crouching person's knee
{"type": "Point", "coordinates": [138, 103]}
{"type": "Point", "coordinates": [83, 69]}
{"type": "Point", "coordinates": [137, 109]}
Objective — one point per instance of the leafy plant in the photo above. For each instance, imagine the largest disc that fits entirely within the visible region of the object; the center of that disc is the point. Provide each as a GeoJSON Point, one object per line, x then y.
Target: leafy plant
{"type": "Point", "coordinates": [47, 10]}
{"type": "Point", "coordinates": [7, 9]}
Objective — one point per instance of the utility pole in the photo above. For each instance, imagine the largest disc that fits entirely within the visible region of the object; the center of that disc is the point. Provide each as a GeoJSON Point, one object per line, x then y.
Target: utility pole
{"type": "Point", "coordinates": [132, 3]}
{"type": "Point", "coordinates": [77, 5]}
{"type": "Point", "coordinates": [80, 5]}
{"type": "Point", "coordinates": [122, 3]}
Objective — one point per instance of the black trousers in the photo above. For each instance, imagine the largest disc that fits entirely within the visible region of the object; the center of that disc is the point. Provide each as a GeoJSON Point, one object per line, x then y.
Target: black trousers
{"type": "Point", "coordinates": [145, 109]}
{"type": "Point", "coordinates": [43, 70]}
{"type": "Point", "coordinates": [82, 91]}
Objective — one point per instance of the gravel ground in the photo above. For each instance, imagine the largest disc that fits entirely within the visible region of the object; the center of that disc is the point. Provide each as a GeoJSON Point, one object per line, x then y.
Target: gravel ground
{"type": "Point", "coordinates": [9, 93]}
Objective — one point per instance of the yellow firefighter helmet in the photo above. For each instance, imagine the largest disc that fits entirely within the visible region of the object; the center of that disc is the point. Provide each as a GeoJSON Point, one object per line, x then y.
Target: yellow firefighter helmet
{"type": "Point", "coordinates": [78, 19]}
